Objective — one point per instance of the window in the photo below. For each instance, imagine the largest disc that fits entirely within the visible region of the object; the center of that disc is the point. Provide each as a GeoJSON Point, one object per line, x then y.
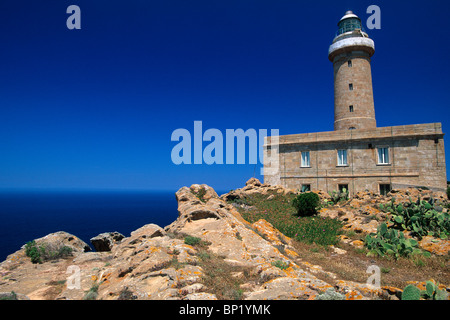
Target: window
{"type": "Point", "coordinates": [383, 155]}
{"type": "Point", "coordinates": [306, 187]}
{"type": "Point", "coordinates": [349, 63]}
{"type": "Point", "coordinates": [350, 86]}
{"type": "Point", "coordinates": [342, 157]}
{"type": "Point", "coordinates": [343, 188]}
{"type": "Point", "coordinates": [385, 189]}
{"type": "Point", "coordinates": [350, 108]}
{"type": "Point", "coordinates": [305, 159]}
{"type": "Point", "coordinates": [351, 128]}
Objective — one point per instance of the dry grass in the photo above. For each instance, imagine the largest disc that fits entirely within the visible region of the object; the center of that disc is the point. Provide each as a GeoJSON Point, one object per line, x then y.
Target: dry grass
{"type": "Point", "coordinates": [352, 266]}
{"type": "Point", "coordinates": [222, 278]}
{"type": "Point", "coordinates": [56, 287]}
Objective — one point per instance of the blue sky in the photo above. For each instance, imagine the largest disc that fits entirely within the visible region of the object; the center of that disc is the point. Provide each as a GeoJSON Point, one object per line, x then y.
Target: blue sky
{"type": "Point", "coordinates": [95, 108]}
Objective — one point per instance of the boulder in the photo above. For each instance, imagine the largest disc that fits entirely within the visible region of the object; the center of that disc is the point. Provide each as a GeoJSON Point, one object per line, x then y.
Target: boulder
{"type": "Point", "coordinates": [148, 231]}
{"type": "Point", "coordinates": [66, 239]}
{"type": "Point", "coordinates": [105, 241]}
{"type": "Point", "coordinates": [54, 241]}
{"type": "Point", "coordinates": [253, 182]}
{"type": "Point", "coordinates": [437, 246]}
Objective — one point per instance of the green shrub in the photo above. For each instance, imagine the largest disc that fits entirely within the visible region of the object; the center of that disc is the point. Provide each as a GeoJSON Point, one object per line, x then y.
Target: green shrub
{"type": "Point", "coordinates": [92, 294]}
{"type": "Point", "coordinates": [192, 241]}
{"type": "Point", "coordinates": [46, 251]}
{"type": "Point", "coordinates": [32, 251]}
{"type": "Point", "coordinates": [281, 264]}
{"type": "Point", "coordinates": [8, 296]}
{"type": "Point", "coordinates": [306, 204]}
{"type": "Point", "coordinates": [448, 192]}
{"type": "Point", "coordinates": [200, 194]}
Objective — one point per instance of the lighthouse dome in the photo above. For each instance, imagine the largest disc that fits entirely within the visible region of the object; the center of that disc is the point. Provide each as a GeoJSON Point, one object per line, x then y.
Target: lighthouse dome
{"type": "Point", "coordinates": [349, 22]}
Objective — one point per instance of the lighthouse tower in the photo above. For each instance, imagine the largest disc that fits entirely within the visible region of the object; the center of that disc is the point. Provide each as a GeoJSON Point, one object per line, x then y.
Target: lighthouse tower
{"type": "Point", "coordinates": [350, 53]}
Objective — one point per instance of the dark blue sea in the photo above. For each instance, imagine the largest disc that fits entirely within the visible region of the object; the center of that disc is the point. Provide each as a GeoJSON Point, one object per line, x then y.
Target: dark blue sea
{"type": "Point", "coordinates": [28, 215]}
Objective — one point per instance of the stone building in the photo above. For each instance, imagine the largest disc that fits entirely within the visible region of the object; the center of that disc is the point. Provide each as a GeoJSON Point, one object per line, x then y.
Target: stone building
{"type": "Point", "coordinates": [358, 155]}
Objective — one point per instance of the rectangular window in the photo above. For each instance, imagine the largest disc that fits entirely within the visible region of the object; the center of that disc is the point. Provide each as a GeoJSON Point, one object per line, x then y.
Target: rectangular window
{"type": "Point", "coordinates": [383, 155]}
{"type": "Point", "coordinates": [349, 63]}
{"type": "Point", "coordinates": [305, 163]}
{"type": "Point", "coordinates": [350, 86]}
{"type": "Point", "coordinates": [343, 187]}
{"type": "Point", "coordinates": [385, 189]}
{"type": "Point", "coordinates": [350, 108]}
{"type": "Point", "coordinates": [342, 157]}
{"type": "Point", "coordinates": [306, 187]}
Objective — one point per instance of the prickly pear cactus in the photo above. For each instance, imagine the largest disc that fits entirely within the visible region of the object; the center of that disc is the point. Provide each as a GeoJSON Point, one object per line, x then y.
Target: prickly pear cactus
{"type": "Point", "coordinates": [411, 293]}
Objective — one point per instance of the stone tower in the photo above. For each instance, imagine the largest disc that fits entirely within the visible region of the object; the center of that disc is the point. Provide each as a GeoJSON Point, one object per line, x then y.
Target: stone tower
{"type": "Point", "coordinates": [350, 53]}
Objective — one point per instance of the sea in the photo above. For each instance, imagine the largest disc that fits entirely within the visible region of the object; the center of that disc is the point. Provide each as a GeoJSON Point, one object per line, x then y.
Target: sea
{"type": "Point", "coordinates": [27, 215]}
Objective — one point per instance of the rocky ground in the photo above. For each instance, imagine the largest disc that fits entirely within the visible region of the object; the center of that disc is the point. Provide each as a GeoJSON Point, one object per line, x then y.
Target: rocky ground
{"type": "Point", "coordinates": [209, 252]}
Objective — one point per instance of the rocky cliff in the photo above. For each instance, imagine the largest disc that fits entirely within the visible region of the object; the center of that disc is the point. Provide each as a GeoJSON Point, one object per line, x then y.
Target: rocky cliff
{"type": "Point", "coordinates": [210, 252]}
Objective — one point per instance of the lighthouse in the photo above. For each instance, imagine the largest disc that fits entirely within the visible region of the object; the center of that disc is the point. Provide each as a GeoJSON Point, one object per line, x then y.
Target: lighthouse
{"type": "Point", "coordinates": [350, 53]}
{"type": "Point", "coordinates": [358, 155]}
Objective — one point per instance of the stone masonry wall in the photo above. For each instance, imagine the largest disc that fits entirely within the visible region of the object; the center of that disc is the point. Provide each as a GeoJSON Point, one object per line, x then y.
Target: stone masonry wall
{"type": "Point", "coordinates": [416, 154]}
{"type": "Point", "coordinates": [361, 97]}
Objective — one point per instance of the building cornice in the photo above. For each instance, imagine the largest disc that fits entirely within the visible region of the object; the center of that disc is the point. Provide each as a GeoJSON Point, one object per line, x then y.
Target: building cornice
{"type": "Point", "coordinates": [432, 130]}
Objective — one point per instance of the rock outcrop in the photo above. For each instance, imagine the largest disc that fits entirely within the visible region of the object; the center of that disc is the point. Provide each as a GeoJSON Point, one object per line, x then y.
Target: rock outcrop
{"type": "Point", "coordinates": [105, 241]}
{"type": "Point", "coordinates": [173, 262]}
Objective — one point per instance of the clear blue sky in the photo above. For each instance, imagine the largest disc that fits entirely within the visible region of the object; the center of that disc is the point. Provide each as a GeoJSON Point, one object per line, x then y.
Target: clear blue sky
{"type": "Point", "coordinates": [95, 108]}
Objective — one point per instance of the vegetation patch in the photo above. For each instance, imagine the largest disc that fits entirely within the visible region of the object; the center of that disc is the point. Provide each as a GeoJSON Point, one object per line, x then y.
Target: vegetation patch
{"type": "Point", "coordinates": [46, 251]}
{"type": "Point", "coordinates": [8, 296]}
{"type": "Point", "coordinates": [192, 241]}
{"type": "Point", "coordinates": [338, 196]}
{"type": "Point", "coordinates": [306, 204]}
{"type": "Point", "coordinates": [312, 244]}
{"type": "Point", "coordinates": [222, 278]}
{"type": "Point", "coordinates": [219, 277]}
{"type": "Point", "coordinates": [391, 241]}
{"type": "Point", "coordinates": [200, 194]}
{"type": "Point", "coordinates": [281, 212]}
{"type": "Point", "coordinates": [280, 264]}
{"type": "Point", "coordinates": [431, 292]}
{"type": "Point", "coordinates": [92, 293]}
{"type": "Point", "coordinates": [422, 218]}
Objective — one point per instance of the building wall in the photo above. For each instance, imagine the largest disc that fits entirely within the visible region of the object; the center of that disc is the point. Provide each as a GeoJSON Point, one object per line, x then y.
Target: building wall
{"type": "Point", "coordinates": [416, 154]}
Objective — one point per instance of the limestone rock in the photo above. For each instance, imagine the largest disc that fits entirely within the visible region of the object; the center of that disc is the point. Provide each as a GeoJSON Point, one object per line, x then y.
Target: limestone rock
{"type": "Point", "coordinates": [201, 296]}
{"type": "Point", "coordinates": [156, 263]}
{"type": "Point", "coordinates": [437, 246]}
{"type": "Point", "coordinates": [253, 182]}
{"type": "Point", "coordinates": [148, 231]}
{"type": "Point", "coordinates": [54, 240]}
{"type": "Point", "coordinates": [105, 241]}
